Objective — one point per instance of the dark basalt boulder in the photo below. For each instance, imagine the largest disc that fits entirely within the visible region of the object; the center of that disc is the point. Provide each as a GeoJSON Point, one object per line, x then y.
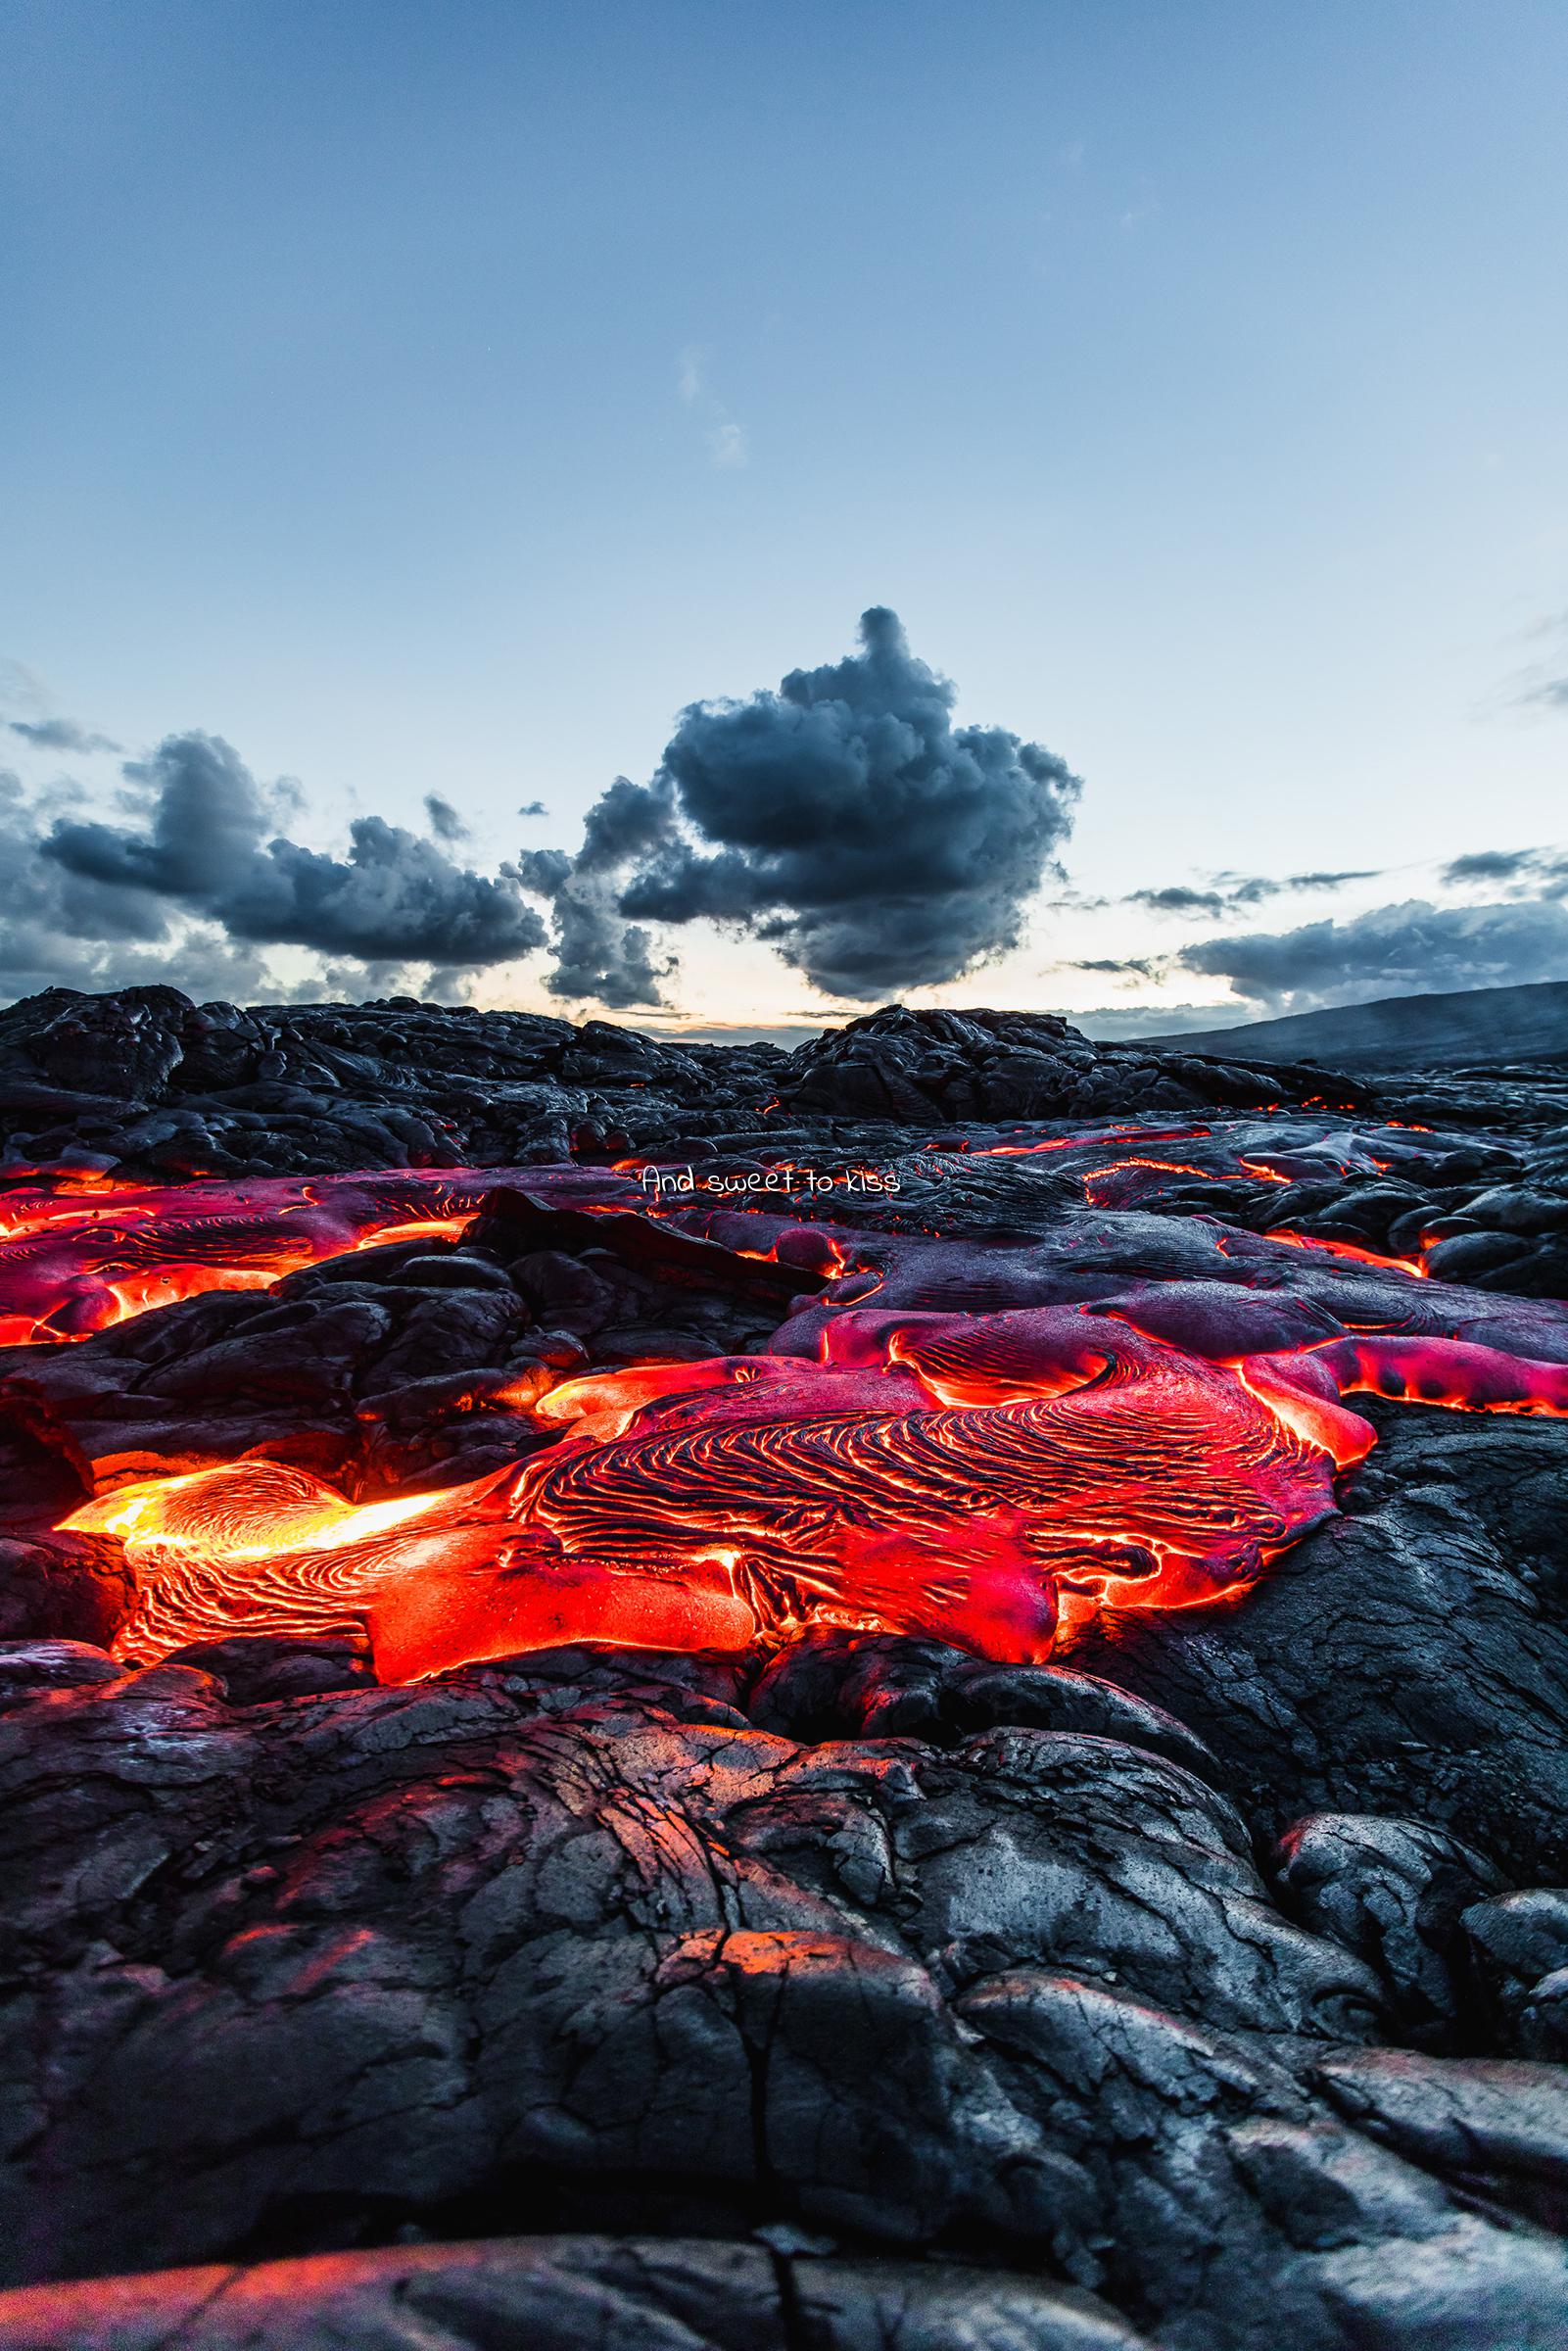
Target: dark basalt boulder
{"type": "Point", "coordinates": [1397, 1893]}
{"type": "Point", "coordinates": [1408, 1659]}
{"type": "Point", "coordinates": [145, 1081]}
{"type": "Point", "coordinates": [835, 1685]}
{"type": "Point", "coordinates": [931, 1068]}
{"type": "Point", "coordinates": [575, 1932]}
{"type": "Point", "coordinates": [63, 1588]}
{"type": "Point", "coordinates": [1520, 1946]}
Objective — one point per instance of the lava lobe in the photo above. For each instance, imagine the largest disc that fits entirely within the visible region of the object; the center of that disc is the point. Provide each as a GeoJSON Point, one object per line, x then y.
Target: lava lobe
{"type": "Point", "coordinates": [988, 1476]}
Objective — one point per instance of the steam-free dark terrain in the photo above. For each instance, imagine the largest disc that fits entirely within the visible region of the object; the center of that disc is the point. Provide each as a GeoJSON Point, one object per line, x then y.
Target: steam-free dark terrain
{"type": "Point", "coordinates": [908, 1695]}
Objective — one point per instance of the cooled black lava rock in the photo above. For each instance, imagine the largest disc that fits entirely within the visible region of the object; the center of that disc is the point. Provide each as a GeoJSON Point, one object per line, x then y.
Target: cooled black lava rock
{"type": "Point", "coordinates": [574, 2294]}
{"type": "Point", "coordinates": [147, 1082]}
{"type": "Point", "coordinates": [573, 1940]}
{"type": "Point", "coordinates": [1407, 1660]}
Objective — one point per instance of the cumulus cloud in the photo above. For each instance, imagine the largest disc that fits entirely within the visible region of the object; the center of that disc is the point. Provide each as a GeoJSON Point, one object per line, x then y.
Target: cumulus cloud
{"type": "Point", "coordinates": [597, 953]}
{"type": "Point", "coordinates": [59, 734]}
{"type": "Point", "coordinates": [843, 819]}
{"type": "Point", "coordinates": [206, 847]}
{"type": "Point", "coordinates": [533, 808]}
{"type": "Point", "coordinates": [64, 930]}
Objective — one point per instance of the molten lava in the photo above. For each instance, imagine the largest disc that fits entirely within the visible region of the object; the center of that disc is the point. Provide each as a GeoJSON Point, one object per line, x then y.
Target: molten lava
{"type": "Point", "coordinates": [975, 1478]}
{"type": "Point", "coordinates": [946, 1441]}
{"type": "Point", "coordinates": [950, 1475]}
{"type": "Point", "coordinates": [75, 1257]}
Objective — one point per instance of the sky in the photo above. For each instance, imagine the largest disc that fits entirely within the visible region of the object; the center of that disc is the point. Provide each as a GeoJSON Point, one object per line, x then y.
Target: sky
{"type": "Point", "coordinates": [416, 415]}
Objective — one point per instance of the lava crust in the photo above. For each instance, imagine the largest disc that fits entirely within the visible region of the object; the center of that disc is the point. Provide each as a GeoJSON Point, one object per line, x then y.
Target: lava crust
{"type": "Point", "coordinates": [906, 1693]}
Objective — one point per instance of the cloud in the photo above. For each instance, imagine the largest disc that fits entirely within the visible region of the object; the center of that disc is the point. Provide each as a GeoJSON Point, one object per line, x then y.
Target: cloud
{"type": "Point", "coordinates": [1397, 950]}
{"type": "Point", "coordinates": [1538, 870]}
{"type": "Point", "coordinates": [1177, 899]}
{"type": "Point", "coordinates": [1233, 891]}
{"type": "Point", "coordinates": [726, 442]}
{"type": "Point", "coordinates": [533, 808]}
{"type": "Point", "coordinates": [204, 848]}
{"type": "Point", "coordinates": [598, 954]}
{"type": "Point", "coordinates": [63, 930]}
{"type": "Point", "coordinates": [843, 819]}
{"type": "Point", "coordinates": [59, 734]}
{"type": "Point", "coordinates": [445, 821]}
{"type": "Point", "coordinates": [1124, 1023]}
{"type": "Point", "coordinates": [1123, 967]}
{"type": "Point", "coordinates": [1543, 683]}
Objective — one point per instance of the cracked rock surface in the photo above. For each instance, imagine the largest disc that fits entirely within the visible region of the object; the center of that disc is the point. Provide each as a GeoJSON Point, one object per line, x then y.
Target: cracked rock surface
{"type": "Point", "coordinates": [573, 2293]}
{"type": "Point", "coordinates": [565, 1939]}
{"type": "Point", "coordinates": [1205, 1989]}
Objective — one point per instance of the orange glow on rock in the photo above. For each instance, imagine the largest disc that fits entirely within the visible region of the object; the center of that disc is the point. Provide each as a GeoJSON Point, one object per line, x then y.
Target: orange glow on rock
{"type": "Point", "coordinates": [1413, 1266]}
{"type": "Point", "coordinates": [945, 1475]}
{"type": "Point", "coordinates": [916, 1454]}
{"type": "Point", "coordinates": [78, 1257]}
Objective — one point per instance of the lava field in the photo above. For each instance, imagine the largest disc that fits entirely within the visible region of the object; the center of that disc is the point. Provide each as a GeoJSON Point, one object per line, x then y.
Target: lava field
{"type": "Point", "coordinates": [903, 1696]}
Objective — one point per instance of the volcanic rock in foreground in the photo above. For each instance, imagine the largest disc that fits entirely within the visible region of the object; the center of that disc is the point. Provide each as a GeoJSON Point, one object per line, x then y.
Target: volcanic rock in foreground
{"type": "Point", "coordinates": [605, 1939]}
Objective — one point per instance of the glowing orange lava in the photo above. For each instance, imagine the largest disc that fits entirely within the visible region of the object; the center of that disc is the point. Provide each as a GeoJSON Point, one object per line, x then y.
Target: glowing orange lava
{"type": "Point", "coordinates": [923, 1449]}
{"type": "Point", "coordinates": [1413, 1266]}
{"type": "Point", "coordinates": [76, 1256]}
{"type": "Point", "coordinates": [945, 1475]}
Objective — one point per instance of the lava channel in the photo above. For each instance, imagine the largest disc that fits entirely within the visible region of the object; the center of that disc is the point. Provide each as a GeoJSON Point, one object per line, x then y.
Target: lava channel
{"type": "Point", "coordinates": [986, 1480]}
{"type": "Point", "coordinates": [991, 1476]}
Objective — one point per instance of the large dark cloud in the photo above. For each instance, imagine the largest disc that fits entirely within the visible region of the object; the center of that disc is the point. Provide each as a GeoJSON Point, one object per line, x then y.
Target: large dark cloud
{"type": "Point", "coordinates": [204, 845]}
{"type": "Point", "coordinates": [845, 819]}
{"type": "Point", "coordinates": [1392, 950]}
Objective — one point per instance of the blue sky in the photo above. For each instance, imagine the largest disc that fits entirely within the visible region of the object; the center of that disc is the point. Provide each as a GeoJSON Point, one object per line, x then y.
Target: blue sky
{"type": "Point", "coordinates": [439, 398]}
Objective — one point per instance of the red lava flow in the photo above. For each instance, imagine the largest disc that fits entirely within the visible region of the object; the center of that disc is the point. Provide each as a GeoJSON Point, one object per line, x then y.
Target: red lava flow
{"type": "Point", "coordinates": [991, 1476]}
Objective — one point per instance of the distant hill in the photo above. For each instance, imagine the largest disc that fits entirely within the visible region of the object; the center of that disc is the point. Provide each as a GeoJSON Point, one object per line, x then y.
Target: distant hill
{"type": "Point", "coordinates": [1437, 1032]}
